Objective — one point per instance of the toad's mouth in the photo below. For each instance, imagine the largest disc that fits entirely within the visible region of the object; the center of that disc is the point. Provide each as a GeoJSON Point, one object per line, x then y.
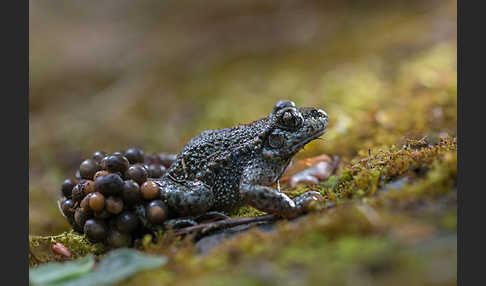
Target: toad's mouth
{"type": "Point", "coordinates": [308, 139]}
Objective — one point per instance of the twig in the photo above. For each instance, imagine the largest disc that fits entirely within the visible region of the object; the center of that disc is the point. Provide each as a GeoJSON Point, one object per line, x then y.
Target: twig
{"type": "Point", "coordinates": [335, 164]}
{"type": "Point", "coordinates": [205, 227]}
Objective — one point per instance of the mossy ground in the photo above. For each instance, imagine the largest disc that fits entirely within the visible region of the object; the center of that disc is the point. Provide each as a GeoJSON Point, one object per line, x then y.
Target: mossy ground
{"type": "Point", "coordinates": [387, 79]}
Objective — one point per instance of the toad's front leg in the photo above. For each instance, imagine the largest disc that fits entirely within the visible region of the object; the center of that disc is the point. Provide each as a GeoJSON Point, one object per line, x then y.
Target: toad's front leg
{"type": "Point", "coordinates": [272, 201]}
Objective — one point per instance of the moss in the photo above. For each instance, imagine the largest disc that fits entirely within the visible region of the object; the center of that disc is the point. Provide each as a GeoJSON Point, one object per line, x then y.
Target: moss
{"type": "Point", "coordinates": [78, 245]}
{"type": "Point", "coordinates": [246, 211]}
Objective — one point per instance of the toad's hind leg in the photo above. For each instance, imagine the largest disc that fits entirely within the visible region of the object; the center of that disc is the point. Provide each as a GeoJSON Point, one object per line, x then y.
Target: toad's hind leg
{"type": "Point", "coordinates": [188, 198]}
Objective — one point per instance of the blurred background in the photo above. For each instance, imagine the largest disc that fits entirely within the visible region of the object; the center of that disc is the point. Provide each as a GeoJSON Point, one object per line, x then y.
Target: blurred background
{"type": "Point", "coordinates": [107, 75]}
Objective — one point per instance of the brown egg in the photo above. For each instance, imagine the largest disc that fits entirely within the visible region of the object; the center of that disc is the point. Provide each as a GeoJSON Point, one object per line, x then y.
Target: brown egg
{"type": "Point", "coordinates": [96, 202]}
{"type": "Point", "coordinates": [114, 205]}
{"type": "Point", "coordinates": [88, 186]}
{"type": "Point", "coordinates": [85, 204]}
{"type": "Point", "coordinates": [150, 190]}
{"type": "Point", "coordinates": [157, 212]}
{"type": "Point", "coordinates": [99, 174]}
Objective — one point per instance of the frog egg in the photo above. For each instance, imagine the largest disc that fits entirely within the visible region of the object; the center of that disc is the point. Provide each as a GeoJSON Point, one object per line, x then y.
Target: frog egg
{"type": "Point", "coordinates": [156, 170]}
{"type": "Point", "coordinates": [80, 218]}
{"type": "Point", "coordinates": [166, 159]}
{"type": "Point", "coordinates": [88, 168]}
{"type": "Point", "coordinates": [134, 155]}
{"type": "Point", "coordinates": [150, 190]}
{"type": "Point", "coordinates": [67, 207]}
{"type": "Point", "coordinates": [117, 239]}
{"type": "Point", "coordinates": [111, 184]}
{"type": "Point", "coordinates": [131, 192]}
{"type": "Point", "coordinates": [84, 205]}
{"type": "Point", "coordinates": [127, 222]}
{"type": "Point", "coordinates": [115, 164]}
{"type": "Point", "coordinates": [95, 230]}
{"type": "Point", "coordinates": [96, 202]}
{"type": "Point", "coordinates": [78, 193]}
{"type": "Point", "coordinates": [98, 156]}
{"type": "Point", "coordinates": [67, 187]}
{"type": "Point", "coordinates": [103, 214]}
{"type": "Point", "coordinates": [99, 174]}
{"type": "Point", "coordinates": [157, 212]}
{"type": "Point", "coordinates": [137, 173]}
{"type": "Point", "coordinates": [114, 205]}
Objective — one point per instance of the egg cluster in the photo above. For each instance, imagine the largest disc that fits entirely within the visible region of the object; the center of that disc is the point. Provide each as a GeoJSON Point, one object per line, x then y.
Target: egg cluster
{"type": "Point", "coordinates": [113, 197]}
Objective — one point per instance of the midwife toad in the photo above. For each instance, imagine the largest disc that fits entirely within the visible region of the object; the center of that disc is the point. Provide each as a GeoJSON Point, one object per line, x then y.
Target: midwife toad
{"type": "Point", "coordinates": [220, 170]}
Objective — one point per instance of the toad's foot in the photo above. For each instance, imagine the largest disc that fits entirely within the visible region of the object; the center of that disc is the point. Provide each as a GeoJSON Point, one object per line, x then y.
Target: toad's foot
{"type": "Point", "coordinates": [272, 201]}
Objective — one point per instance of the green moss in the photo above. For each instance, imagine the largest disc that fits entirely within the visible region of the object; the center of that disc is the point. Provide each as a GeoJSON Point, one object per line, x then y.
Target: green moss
{"type": "Point", "coordinates": [78, 245]}
{"type": "Point", "coordinates": [246, 211]}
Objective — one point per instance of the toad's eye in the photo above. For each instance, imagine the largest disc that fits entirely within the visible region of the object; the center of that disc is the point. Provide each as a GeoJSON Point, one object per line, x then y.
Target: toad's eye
{"type": "Point", "coordinates": [291, 119]}
{"type": "Point", "coordinates": [282, 104]}
{"type": "Point", "coordinates": [275, 140]}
